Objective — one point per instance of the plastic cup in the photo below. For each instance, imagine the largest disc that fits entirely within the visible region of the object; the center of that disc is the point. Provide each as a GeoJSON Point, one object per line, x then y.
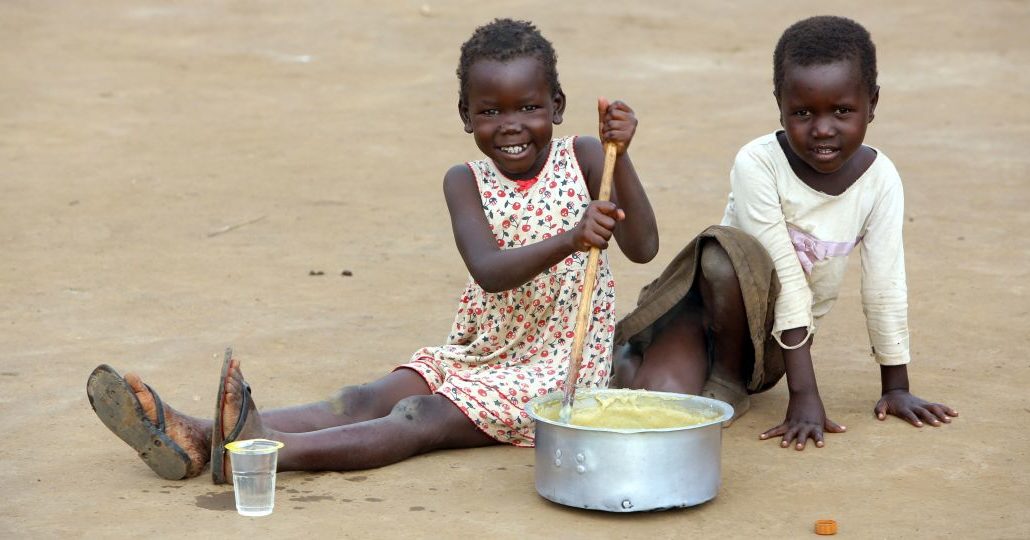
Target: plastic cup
{"type": "Point", "coordinates": [253, 475]}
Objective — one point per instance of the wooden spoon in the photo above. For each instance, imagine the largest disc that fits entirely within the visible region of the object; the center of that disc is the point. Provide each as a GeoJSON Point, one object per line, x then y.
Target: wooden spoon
{"type": "Point", "coordinates": [586, 299]}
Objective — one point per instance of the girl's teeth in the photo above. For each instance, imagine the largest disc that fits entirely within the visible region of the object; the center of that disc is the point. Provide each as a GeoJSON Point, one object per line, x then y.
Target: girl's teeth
{"type": "Point", "coordinates": [513, 149]}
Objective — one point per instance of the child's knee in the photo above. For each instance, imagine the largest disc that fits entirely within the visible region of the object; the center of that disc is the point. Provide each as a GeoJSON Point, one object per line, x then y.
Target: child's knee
{"type": "Point", "coordinates": [416, 408]}
{"type": "Point", "coordinates": [625, 362]}
{"type": "Point", "coordinates": [720, 290]}
{"type": "Point", "coordinates": [349, 399]}
{"type": "Point", "coordinates": [717, 268]}
{"type": "Point", "coordinates": [427, 419]}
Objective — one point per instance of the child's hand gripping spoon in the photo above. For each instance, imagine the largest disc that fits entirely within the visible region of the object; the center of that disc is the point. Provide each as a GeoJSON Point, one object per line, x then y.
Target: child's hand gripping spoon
{"type": "Point", "coordinates": [582, 317]}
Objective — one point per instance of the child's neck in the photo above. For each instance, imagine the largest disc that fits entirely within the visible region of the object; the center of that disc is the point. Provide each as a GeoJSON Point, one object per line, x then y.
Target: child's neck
{"type": "Point", "coordinates": [833, 183]}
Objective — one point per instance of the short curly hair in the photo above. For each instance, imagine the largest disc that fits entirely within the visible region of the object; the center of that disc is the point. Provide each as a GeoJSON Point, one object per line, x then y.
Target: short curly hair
{"type": "Point", "coordinates": [503, 40]}
{"type": "Point", "coordinates": [824, 40]}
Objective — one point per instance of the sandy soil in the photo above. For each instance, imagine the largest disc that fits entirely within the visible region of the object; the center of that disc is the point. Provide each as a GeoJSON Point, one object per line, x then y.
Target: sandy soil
{"type": "Point", "coordinates": [172, 173]}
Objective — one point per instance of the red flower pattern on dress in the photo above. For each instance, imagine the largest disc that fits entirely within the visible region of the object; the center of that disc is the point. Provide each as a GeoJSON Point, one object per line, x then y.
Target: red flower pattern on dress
{"type": "Point", "coordinates": [508, 347]}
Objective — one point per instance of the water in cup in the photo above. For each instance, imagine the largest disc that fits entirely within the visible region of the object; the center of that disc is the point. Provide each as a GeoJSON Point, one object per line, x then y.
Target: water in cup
{"type": "Point", "coordinates": [253, 475]}
{"type": "Point", "coordinates": [255, 492]}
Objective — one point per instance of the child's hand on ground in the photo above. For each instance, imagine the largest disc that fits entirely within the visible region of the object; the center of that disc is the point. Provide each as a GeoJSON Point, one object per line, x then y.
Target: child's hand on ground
{"type": "Point", "coordinates": [616, 123]}
{"type": "Point", "coordinates": [805, 419]}
{"type": "Point", "coordinates": [597, 225]}
{"type": "Point", "coordinates": [914, 410]}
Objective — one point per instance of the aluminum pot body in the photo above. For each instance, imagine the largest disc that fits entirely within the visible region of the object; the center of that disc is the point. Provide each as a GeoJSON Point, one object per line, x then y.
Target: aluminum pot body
{"type": "Point", "coordinates": [619, 470]}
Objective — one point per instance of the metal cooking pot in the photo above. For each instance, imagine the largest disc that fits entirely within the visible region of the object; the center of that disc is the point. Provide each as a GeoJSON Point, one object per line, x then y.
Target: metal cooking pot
{"type": "Point", "coordinates": [629, 470]}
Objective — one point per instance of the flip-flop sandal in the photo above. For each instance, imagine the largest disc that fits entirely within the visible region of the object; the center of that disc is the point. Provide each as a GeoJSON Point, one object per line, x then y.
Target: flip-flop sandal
{"type": "Point", "coordinates": [735, 395]}
{"type": "Point", "coordinates": [218, 442]}
{"type": "Point", "coordinates": [115, 403]}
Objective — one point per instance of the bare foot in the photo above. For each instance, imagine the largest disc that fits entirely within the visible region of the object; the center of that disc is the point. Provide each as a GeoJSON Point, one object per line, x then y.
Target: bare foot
{"type": "Point", "coordinates": [192, 434]}
{"type": "Point", "coordinates": [235, 387]}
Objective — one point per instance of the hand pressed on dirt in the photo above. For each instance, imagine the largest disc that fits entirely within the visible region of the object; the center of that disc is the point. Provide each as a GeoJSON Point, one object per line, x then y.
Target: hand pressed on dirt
{"type": "Point", "coordinates": [913, 409]}
{"type": "Point", "coordinates": [805, 419]}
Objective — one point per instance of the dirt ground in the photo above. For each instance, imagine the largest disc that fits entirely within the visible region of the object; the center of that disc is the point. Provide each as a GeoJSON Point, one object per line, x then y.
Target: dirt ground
{"type": "Point", "coordinates": [173, 173]}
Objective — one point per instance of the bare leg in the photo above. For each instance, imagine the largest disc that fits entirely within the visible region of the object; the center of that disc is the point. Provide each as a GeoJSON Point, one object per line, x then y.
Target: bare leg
{"type": "Point", "coordinates": [675, 361]}
{"type": "Point", "coordinates": [677, 358]}
{"type": "Point", "coordinates": [348, 405]}
{"type": "Point", "coordinates": [415, 425]}
{"type": "Point", "coordinates": [725, 315]}
{"type": "Point", "coordinates": [625, 364]}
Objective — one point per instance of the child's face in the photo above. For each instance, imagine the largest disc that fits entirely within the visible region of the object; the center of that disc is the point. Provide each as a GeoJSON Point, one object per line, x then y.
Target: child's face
{"type": "Point", "coordinates": [510, 111]}
{"type": "Point", "coordinates": [824, 110]}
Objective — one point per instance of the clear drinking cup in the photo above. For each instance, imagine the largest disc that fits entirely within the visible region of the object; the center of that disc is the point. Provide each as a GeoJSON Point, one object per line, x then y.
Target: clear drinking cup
{"type": "Point", "coordinates": [253, 475]}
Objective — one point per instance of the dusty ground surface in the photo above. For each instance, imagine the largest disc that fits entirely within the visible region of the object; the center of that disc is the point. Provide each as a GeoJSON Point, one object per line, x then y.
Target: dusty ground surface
{"type": "Point", "coordinates": [172, 172]}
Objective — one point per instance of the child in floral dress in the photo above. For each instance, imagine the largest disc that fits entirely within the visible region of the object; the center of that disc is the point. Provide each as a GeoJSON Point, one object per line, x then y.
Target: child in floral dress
{"type": "Point", "coordinates": [523, 219]}
{"type": "Point", "coordinates": [513, 345]}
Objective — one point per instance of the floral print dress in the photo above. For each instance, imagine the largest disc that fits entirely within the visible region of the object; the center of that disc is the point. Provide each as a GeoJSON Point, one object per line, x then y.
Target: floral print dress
{"type": "Point", "coordinates": [506, 348]}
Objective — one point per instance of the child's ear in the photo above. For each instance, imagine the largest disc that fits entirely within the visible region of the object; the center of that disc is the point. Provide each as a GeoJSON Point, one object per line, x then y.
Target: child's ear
{"type": "Point", "coordinates": [559, 107]}
{"type": "Point", "coordinates": [873, 100]}
{"type": "Point", "coordinates": [463, 112]}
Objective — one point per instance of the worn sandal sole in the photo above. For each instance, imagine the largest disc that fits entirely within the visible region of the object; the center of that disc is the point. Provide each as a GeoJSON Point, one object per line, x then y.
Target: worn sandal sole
{"type": "Point", "coordinates": [217, 440]}
{"type": "Point", "coordinates": [116, 405]}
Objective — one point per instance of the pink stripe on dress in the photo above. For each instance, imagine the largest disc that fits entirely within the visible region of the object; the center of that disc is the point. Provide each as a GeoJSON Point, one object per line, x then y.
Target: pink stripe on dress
{"type": "Point", "coordinates": [811, 249]}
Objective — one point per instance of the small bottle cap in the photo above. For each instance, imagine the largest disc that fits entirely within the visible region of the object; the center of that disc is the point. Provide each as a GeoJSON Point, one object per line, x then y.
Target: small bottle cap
{"type": "Point", "coordinates": [825, 527]}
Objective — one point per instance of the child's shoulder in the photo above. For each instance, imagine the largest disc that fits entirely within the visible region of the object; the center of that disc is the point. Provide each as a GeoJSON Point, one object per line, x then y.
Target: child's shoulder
{"type": "Point", "coordinates": [588, 150]}
{"type": "Point", "coordinates": [459, 171]}
{"type": "Point", "coordinates": [583, 142]}
{"type": "Point", "coordinates": [764, 149]}
{"type": "Point", "coordinates": [459, 175]}
{"type": "Point", "coordinates": [761, 156]}
{"type": "Point", "coordinates": [882, 172]}
{"type": "Point", "coordinates": [762, 145]}
{"type": "Point", "coordinates": [881, 162]}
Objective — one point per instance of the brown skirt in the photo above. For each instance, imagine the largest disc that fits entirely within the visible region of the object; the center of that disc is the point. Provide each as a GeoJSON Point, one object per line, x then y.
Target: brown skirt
{"type": "Point", "coordinates": [758, 284]}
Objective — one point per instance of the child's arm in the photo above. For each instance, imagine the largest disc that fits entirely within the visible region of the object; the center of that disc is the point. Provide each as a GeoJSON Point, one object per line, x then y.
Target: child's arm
{"type": "Point", "coordinates": [637, 233]}
{"type": "Point", "coordinates": [806, 417]}
{"type": "Point", "coordinates": [885, 303]}
{"type": "Point", "coordinates": [498, 269]}
{"type": "Point", "coordinates": [760, 214]}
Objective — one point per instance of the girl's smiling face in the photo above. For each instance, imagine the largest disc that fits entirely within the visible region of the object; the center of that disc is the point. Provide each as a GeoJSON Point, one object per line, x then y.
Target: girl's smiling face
{"type": "Point", "coordinates": [510, 110]}
{"type": "Point", "coordinates": [824, 111]}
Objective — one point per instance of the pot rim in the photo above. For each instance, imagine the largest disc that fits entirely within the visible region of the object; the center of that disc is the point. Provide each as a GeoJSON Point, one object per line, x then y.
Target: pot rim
{"type": "Point", "coordinates": [726, 408]}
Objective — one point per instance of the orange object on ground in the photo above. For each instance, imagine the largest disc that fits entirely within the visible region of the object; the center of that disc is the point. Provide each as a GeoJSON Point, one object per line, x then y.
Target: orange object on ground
{"type": "Point", "coordinates": [825, 526]}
